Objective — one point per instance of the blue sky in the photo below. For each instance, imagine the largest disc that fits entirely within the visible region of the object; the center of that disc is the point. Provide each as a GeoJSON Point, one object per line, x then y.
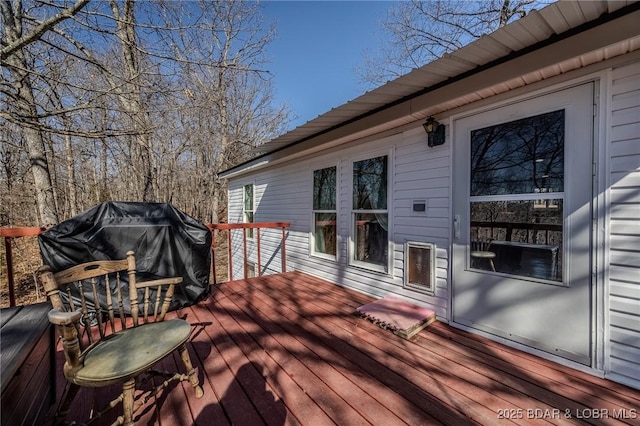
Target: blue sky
{"type": "Point", "coordinates": [318, 46]}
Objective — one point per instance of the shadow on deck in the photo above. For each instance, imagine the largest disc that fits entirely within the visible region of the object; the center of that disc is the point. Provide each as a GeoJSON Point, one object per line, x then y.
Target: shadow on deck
{"type": "Point", "coordinates": [289, 349]}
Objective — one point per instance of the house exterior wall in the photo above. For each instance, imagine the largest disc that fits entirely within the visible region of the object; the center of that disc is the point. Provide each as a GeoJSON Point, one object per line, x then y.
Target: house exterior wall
{"type": "Point", "coordinates": [623, 264]}
{"type": "Point", "coordinates": [284, 193]}
{"type": "Point", "coordinates": [417, 172]}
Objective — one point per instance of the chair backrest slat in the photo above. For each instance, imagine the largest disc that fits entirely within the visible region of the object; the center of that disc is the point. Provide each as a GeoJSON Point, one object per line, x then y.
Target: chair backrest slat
{"type": "Point", "coordinates": [146, 306]}
{"type": "Point", "coordinates": [167, 302]}
{"type": "Point", "coordinates": [157, 303]}
{"type": "Point", "coordinates": [110, 311]}
{"type": "Point", "coordinates": [96, 311]}
{"type": "Point", "coordinates": [133, 289]}
{"type": "Point", "coordinates": [85, 319]}
{"type": "Point", "coordinates": [123, 321]}
{"type": "Point", "coordinates": [72, 304]}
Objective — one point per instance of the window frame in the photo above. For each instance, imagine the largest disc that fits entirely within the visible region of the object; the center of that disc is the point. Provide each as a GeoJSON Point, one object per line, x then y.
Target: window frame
{"type": "Point", "coordinates": [312, 232]}
{"type": "Point", "coordinates": [386, 267]}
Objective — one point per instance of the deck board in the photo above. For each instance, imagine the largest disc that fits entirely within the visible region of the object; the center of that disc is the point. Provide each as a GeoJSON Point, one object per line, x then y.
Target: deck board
{"type": "Point", "coordinates": [289, 349]}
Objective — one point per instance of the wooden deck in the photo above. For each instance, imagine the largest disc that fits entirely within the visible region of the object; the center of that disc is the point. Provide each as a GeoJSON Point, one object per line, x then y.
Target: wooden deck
{"type": "Point", "coordinates": [288, 349]}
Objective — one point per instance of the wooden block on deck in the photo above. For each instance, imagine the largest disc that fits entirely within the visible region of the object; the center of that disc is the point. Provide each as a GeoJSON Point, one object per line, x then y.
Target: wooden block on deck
{"type": "Point", "coordinates": [403, 318]}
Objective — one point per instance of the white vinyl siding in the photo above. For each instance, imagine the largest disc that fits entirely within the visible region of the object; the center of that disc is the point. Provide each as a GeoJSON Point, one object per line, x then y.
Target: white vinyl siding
{"type": "Point", "coordinates": [624, 229]}
{"type": "Point", "coordinates": [423, 173]}
{"type": "Point", "coordinates": [283, 193]}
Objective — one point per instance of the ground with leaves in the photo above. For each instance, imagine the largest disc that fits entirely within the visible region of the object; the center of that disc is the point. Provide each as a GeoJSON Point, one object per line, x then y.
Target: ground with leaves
{"type": "Point", "coordinates": [26, 261]}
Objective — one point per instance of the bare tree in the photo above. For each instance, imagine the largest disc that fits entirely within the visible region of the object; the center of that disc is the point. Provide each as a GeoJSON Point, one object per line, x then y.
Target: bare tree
{"type": "Point", "coordinates": [225, 93]}
{"type": "Point", "coordinates": [19, 31]}
{"type": "Point", "coordinates": [417, 32]}
{"type": "Point", "coordinates": [13, 171]}
{"type": "Point", "coordinates": [144, 101]}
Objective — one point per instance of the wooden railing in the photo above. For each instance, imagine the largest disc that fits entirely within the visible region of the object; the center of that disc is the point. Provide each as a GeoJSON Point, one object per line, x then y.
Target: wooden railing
{"type": "Point", "coordinates": [10, 234]}
{"type": "Point", "coordinates": [230, 227]}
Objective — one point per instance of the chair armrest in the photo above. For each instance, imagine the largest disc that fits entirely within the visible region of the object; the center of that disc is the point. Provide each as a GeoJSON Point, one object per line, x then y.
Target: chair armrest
{"type": "Point", "coordinates": [59, 317]}
{"type": "Point", "coordinates": [161, 281]}
{"type": "Point", "coordinates": [70, 342]}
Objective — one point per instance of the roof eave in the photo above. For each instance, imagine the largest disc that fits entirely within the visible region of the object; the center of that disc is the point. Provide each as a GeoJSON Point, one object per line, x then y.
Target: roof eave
{"type": "Point", "coordinates": [587, 37]}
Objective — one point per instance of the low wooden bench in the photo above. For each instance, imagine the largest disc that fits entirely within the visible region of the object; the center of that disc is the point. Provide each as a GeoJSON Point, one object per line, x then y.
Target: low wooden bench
{"type": "Point", "coordinates": [27, 360]}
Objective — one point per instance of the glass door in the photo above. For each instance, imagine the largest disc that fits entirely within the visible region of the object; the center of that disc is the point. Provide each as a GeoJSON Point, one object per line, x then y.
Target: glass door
{"type": "Point", "coordinates": [522, 199]}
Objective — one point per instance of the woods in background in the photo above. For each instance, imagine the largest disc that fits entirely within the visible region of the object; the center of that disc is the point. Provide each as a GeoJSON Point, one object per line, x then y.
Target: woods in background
{"type": "Point", "coordinates": [129, 101]}
{"type": "Point", "coordinates": [149, 100]}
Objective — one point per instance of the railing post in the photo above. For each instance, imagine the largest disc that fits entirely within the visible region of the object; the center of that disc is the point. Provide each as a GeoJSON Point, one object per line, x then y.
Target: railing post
{"type": "Point", "coordinates": [284, 250]}
{"type": "Point", "coordinates": [213, 256]}
{"type": "Point", "coordinates": [244, 249]}
{"type": "Point", "coordinates": [258, 226]}
{"type": "Point", "coordinates": [9, 255]}
{"type": "Point", "coordinates": [258, 266]}
{"type": "Point", "coordinates": [229, 258]}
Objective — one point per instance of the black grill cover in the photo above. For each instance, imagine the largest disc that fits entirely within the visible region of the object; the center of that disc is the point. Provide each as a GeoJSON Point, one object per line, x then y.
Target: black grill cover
{"type": "Point", "coordinates": [167, 243]}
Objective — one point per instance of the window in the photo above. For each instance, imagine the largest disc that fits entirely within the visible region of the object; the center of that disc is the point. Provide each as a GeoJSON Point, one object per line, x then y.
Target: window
{"type": "Point", "coordinates": [517, 197]}
{"type": "Point", "coordinates": [324, 211]}
{"type": "Point", "coordinates": [247, 207]}
{"type": "Point", "coordinates": [370, 214]}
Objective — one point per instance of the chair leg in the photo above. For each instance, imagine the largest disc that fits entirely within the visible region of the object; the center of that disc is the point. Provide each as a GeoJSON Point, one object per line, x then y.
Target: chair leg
{"type": "Point", "coordinates": [191, 372]}
{"type": "Point", "coordinates": [128, 393]}
{"type": "Point", "coordinates": [68, 395]}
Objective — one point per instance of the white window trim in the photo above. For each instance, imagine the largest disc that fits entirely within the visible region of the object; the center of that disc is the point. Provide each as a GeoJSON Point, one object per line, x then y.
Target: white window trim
{"type": "Point", "coordinates": [388, 268]}
{"type": "Point", "coordinates": [312, 232]}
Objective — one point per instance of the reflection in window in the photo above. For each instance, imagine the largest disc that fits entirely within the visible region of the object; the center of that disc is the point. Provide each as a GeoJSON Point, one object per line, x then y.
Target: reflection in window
{"type": "Point", "coordinates": [517, 237]}
{"type": "Point", "coordinates": [371, 238]}
{"type": "Point", "coordinates": [519, 157]}
{"type": "Point", "coordinates": [324, 211]}
{"type": "Point", "coordinates": [370, 184]}
{"type": "Point", "coordinates": [370, 214]}
{"type": "Point", "coordinates": [517, 196]}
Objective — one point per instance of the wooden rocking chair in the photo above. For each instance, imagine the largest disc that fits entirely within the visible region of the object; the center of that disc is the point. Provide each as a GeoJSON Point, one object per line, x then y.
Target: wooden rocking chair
{"type": "Point", "coordinates": [103, 346]}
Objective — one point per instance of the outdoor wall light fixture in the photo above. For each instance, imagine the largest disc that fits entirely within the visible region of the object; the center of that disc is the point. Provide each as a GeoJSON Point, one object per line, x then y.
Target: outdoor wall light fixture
{"type": "Point", "coordinates": [435, 132]}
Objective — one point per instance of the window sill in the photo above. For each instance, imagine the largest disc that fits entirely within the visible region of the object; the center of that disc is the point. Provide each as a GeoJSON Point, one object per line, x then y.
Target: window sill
{"type": "Point", "coordinates": [370, 267]}
{"type": "Point", "coordinates": [324, 256]}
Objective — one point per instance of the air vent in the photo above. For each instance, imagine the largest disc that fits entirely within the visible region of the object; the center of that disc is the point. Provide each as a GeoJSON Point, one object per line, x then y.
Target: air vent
{"type": "Point", "coordinates": [420, 264]}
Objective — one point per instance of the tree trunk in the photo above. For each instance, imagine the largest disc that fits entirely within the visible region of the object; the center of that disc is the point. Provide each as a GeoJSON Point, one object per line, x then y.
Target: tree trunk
{"type": "Point", "coordinates": [71, 172]}
{"type": "Point", "coordinates": [25, 105]}
{"type": "Point", "coordinates": [133, 103]}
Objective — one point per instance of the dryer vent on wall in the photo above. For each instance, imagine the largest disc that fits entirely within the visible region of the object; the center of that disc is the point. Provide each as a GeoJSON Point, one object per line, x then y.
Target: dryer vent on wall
{"type": "Point", "coordinates": [420, 265]}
